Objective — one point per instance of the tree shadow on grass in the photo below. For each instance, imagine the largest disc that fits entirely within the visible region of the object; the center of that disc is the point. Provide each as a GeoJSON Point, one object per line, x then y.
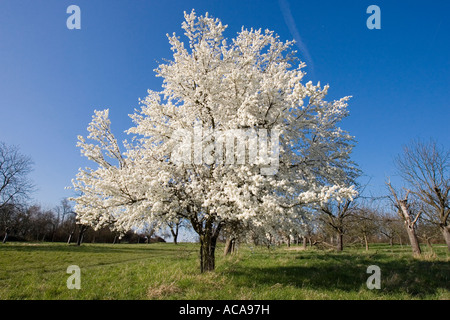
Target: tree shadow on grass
{"type": "Point", "coordinates": [133, 249]}
{"type": "Point", "coordinates": [346, 272]}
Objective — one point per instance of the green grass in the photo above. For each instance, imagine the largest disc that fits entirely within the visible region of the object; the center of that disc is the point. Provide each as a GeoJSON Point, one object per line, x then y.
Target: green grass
{"type": "Point", "coordinates": [167, 271]}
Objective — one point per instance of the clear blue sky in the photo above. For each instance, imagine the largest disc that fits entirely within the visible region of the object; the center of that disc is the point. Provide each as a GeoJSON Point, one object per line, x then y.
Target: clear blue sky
{"type": "Point", "coordinates": [52, 78]}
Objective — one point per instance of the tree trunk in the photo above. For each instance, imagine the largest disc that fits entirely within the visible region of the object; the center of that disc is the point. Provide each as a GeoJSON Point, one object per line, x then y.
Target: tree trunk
{"type": "Point", "coordinates": [53, 234]}
{"type": "Point", "coordinates": [366, 242]}
{"type": "Point", "coordinates": [304, 243]}
{"type": "Point", "coordinates": [405, 214]}
{"type": "Point", "coordinates": [446, 234]}
{"type": "Point", "coordinates": [70, 237]}
{"type": "Point", "coordinates": [413, 240]}
{"type": "Point", "coordinates": [175, 234]}
{"type": "Point", "coordinates": [340, 242]}
{"type": "Point", "coordinates": [229, 246]}
{"type": "Point", "coordinates": [81, 234]}
{"type": "Point", "coordinates": [5, 238]}
{"type": "Point", "coordinates": [80, 239]}
{"type": "Point", "coordinates": [175, 238]}
{"type": "Point", "coordinates": [207, 251]}
{"type": "Point", "coordinates": [391, 241]}
{"type": "Point", "coordinates": [429, 243]}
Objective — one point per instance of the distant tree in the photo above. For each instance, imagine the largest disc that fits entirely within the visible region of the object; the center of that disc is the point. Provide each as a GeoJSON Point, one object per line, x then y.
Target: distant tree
{"type": "Point", "coordinates": [41, 223]}
{"type": "Point", "coordinates": [15, 185]}
{"type": "Point", "coordinates": [428, 231]}
{"type": "Point", "coordinates": [390, 226]}
{"type": "Point", "coordinates": [175, 226]}
{"type": "Point", "coordinates": [425, 167]}
{"type": "Point", "coordinates": [233, 233]}
{"type": "Point", "coordinates": [64, 209]}
{"type": "Point", "coordinates": [8, 219]}
{"type": "Point", "coordinates": [364, 223]}
{"type": "Point", "coordinates": [335, 215]}
{"type": "Point", "coordinates": [307, 232]}
{"type": "Point", "coordinates": [66, 218]}
{"type": "Point", "coordinates": [17, 222]}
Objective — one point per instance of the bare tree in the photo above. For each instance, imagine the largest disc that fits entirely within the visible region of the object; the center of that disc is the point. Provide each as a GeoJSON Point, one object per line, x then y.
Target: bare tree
{"type": "Point", "coordinates": [409, 217]}
{"type": "Point", "coordinates": [364, 223]}
{"type": "Point", "coordinates": [8, 218]}
{"type": "Point", "coordinates": [65, 209]}
{"type": "Point", "coordinates": [334, 214]}
{"type": "Point", "coordinates": [390, 227]}
{"type": "Point", "coordinates": [428, 231]}
{"type": "Point", "coordinates": [425, 167]}
{"type": "Point", "coordinates": [15, 186]}
{"type": "Point", "coordinates": [14, 169]}
{"type": "Point", "coordinates": [174, 227]}
{"type": "Point", "coordinates": [66, 218]}
{"type": "Point", "coordinates": [19, 221]}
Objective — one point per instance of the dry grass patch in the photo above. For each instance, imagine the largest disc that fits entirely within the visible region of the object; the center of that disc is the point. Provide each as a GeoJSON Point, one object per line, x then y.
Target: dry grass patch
{"type": "Point", "coordinates": [295, 248]}
{"type": "Point", "coordinates": [163, 291]}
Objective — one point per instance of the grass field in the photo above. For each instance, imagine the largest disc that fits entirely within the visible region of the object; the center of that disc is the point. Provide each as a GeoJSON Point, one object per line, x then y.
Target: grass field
{"type": "Point", "coordinates": [167, 271]}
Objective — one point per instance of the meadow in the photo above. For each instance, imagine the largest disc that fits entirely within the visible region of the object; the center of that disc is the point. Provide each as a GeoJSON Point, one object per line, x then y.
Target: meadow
{"type": "Point", "coordinates": [38, 271]}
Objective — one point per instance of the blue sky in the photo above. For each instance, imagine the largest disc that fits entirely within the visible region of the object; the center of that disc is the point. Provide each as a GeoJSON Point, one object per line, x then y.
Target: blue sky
{"type": "Point", "coordinates": [52, 78]}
